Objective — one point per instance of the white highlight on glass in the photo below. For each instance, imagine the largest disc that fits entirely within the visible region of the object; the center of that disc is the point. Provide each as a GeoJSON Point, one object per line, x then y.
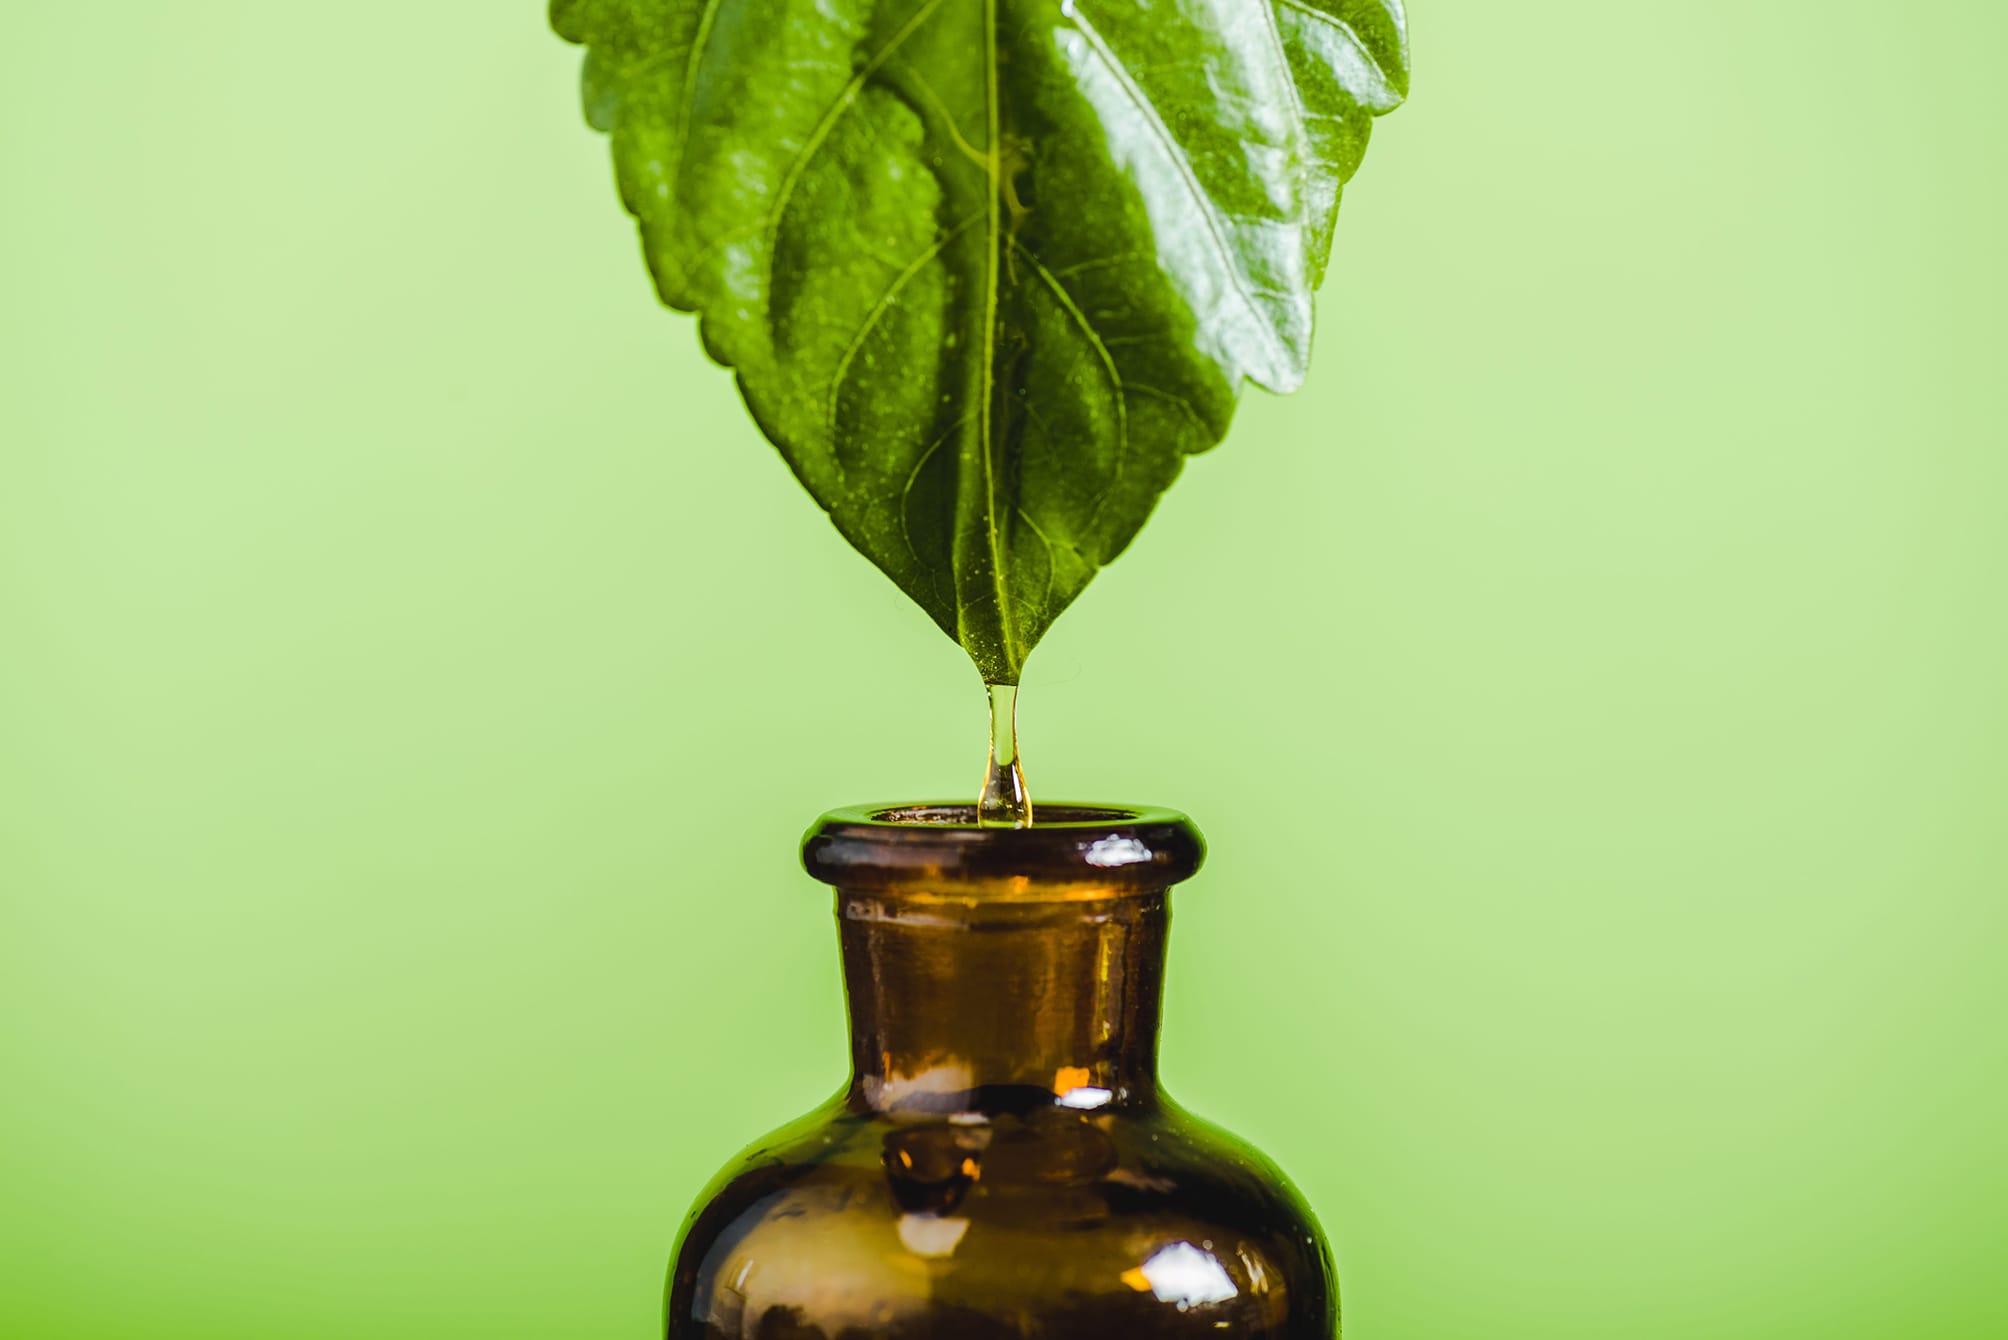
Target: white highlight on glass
{"type": "Point", "coordinates": [930, 1235]}
{"type": "Point", "coordinates": [1110, 852]}
{"type": "Point", "coordinates": [1187, 1276]}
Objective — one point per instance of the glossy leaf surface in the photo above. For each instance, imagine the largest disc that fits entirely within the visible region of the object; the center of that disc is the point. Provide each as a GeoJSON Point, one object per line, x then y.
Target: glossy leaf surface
{"type": "Point", "coordinates": [989, 270]}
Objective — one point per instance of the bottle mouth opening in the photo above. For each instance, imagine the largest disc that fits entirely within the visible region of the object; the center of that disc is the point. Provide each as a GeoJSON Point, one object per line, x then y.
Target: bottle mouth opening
{"type": "Point", "coordinates": [1069, 851]}
{"type": "Point", "coordinates": [965, 816]}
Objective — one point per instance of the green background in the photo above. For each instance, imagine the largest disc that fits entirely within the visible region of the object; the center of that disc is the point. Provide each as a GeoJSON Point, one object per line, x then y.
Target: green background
{"type": "Point", "coordinates": [415, 674]}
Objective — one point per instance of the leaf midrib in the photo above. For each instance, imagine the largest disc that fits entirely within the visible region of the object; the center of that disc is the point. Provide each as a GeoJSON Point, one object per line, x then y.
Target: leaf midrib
{"type": "Point", "coordinates": [992, 267]}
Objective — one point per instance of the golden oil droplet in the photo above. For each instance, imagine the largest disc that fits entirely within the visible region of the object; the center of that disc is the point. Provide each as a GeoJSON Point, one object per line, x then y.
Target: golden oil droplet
{"type": "Point", "coordinates": [1005, 803]}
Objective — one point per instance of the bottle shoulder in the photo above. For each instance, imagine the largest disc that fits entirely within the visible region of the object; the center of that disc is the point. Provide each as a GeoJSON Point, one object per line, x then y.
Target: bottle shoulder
{"type": "Point", "coordinates": [1142, 1220]}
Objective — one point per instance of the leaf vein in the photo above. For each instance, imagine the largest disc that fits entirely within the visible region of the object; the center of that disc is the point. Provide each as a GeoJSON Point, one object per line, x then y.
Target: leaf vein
{"type": "Point", "coordinates": [1108, 363]}
{"type": "Point", "coordinates": [906, 491]}
{"type": "Point", "coordinates": [1346, 30]}
{"type": "Point", "coordinates": [771, 226]}
{"type": "Point", "coordinates": [877, 313]}
{"type": "Point", "coordinates": [1207, 210]}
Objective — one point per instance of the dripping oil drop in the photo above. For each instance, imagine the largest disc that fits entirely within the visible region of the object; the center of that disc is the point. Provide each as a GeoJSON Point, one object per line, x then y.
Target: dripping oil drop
{"type": "Point", "coordinates": [1004, 802]}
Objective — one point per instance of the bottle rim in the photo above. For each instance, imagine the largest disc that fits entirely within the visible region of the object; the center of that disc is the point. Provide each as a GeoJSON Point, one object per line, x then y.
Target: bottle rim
{"type": "Point", "coordinates": [1071, 850]}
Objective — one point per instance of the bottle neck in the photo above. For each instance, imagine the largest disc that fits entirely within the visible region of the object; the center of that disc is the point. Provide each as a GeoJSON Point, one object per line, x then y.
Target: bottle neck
{"type": "Point", "coordinates": [981, 1005]}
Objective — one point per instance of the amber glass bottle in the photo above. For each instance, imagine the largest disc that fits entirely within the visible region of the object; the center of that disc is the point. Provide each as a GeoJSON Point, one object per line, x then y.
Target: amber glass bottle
{"type": "Point", "coordinates": [1003, 1162]}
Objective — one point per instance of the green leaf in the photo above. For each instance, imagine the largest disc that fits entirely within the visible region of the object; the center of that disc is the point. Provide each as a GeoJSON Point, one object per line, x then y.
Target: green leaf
{"type": "Point", "coordinates": [989, 270]}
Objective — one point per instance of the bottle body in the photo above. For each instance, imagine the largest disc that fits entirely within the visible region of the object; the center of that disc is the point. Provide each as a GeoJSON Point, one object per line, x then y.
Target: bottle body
{"type": "Point", "coordinates": [1003, 1162]}
{"type": "Point", "coordinates": [1042, 1222]}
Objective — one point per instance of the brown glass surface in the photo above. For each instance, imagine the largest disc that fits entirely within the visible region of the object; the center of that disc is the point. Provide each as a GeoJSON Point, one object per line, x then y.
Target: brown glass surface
{"type": "Point", "coordinates": [1003, 1162]}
